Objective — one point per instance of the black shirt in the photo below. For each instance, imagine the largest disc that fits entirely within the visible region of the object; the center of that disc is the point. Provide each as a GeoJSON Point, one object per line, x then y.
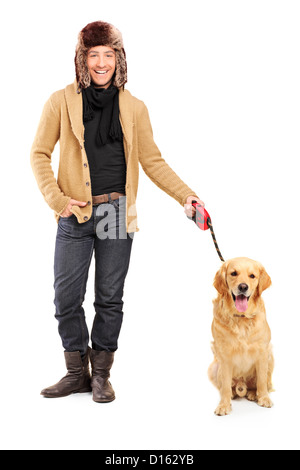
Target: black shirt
{"type": "Point", "coordinates": [107, 162]}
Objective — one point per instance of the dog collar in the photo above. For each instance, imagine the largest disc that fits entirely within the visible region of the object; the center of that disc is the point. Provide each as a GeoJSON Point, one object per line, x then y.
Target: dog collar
{"type": "Point", "coordinates": [244, 316]}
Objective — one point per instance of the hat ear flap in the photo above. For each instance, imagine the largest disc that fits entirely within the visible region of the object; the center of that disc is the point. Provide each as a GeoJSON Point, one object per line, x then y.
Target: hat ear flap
{"type": "Point", "coordinates": [82, 72]}
{"type": "Point", "coordinates": [121, 69]}
{"type": "Point", "coordinates": [220, 280]}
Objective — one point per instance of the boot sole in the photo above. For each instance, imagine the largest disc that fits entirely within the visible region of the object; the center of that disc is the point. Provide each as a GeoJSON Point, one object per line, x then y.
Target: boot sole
{"type": "Point", "coordinates": [67, 394]}
{"type": "Point", "coordinates": [104, 401]}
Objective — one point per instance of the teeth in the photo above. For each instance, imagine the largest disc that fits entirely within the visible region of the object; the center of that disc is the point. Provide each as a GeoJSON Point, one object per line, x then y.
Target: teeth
{"type": "Point", "coordinates": [101, 73]}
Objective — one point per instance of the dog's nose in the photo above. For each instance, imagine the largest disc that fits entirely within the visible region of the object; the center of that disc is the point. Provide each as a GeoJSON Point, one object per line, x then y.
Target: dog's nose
{"type": "Point", "coordinates": [243, 288]}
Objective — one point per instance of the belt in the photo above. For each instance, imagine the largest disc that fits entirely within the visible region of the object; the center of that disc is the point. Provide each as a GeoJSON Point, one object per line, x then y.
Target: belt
{"type": "Point", "coordinates": [106, 198]}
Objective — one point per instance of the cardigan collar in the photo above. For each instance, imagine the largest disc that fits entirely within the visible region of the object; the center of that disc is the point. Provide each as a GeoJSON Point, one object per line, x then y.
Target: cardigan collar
{"type": "Point", "coordinates": [74, 104]}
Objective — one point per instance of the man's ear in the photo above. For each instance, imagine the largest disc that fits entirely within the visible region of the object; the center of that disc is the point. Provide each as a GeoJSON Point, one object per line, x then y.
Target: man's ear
{"type": "Point", "coordinates": [264, 281]}
{"type": "Point", "coordinates": [220, 280]}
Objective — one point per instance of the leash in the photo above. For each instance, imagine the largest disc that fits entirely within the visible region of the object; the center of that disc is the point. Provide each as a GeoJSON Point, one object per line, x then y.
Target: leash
{"type": "Point", "coordinates": [203, 220]}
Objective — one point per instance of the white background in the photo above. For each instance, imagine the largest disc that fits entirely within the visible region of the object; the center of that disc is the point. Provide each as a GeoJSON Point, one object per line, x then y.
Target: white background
{"type": "Point", "coordinates": [221, 81]}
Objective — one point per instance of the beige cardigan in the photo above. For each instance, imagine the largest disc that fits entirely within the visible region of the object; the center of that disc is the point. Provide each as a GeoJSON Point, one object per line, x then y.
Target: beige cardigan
{"type": "Point", "coordinates": [62, 120]}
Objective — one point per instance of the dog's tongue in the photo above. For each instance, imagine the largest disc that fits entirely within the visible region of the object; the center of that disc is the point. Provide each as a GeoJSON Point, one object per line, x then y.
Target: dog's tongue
{"type": "Point", "coordinates": [241, 303]}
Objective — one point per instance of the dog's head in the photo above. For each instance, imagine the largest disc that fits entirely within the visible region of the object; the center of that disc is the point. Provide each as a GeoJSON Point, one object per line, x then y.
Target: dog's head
{"type": "Point", "coordinates": [242, 281]}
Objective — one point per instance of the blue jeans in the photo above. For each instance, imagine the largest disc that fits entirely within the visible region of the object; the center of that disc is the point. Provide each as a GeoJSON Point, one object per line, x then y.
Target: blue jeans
{"type": "Point", "coordinates": [104, 235]}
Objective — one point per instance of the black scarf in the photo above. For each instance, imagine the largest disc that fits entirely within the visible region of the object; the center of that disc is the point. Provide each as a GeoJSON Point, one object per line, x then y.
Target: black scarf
{"type": "Point", "coordinates": [107, 102]}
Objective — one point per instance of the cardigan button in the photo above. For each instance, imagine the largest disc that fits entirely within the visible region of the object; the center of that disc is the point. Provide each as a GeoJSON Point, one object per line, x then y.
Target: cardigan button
{"type": "Point", "coordinates": [85, 165]}
{"type": "Point", "coordinates": [87, 183]}
{"type": "Point", "coordinates": [85, 218]}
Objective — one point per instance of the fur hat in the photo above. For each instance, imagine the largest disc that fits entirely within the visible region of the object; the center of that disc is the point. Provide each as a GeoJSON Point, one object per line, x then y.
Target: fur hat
{"type": "Point", "coordinates": [100, 34]}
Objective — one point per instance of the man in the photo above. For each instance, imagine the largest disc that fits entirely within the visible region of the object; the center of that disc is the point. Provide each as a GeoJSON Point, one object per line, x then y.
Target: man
{"type": "Point", "coordinates": [104, 133]}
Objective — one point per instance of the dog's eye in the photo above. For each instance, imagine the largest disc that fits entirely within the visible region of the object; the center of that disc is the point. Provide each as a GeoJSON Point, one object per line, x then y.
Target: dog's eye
{"type": "Point", "coordinates": [234, 273]}
{"type": "Point", "coordinates": [252, 276]}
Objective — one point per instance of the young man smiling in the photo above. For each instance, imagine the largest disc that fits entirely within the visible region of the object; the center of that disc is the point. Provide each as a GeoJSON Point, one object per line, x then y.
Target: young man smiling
{"type": "Point", "coordinates": [104, 134]}
{"type": "Point", "coordinates": [101, 62]}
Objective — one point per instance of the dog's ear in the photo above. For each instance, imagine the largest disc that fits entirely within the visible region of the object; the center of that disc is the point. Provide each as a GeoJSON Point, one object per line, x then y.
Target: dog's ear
{"type": "Point", "coordinates": [264, 281]}
{"type": "Point", "coordinates": [220, 280]}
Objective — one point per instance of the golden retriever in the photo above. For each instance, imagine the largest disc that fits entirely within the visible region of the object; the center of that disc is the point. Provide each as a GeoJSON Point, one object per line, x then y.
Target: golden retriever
{"type": "Point", "coordinates": [244, 362]}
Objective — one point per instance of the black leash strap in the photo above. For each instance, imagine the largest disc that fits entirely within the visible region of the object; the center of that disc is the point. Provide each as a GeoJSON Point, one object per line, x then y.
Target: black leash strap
{"type": "Point", "coordinates": [214, 239]}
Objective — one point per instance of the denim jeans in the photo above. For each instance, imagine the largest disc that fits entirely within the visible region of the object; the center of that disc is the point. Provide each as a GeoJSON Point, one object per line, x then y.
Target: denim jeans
{"type": "Point", "coordinates": [104, 235]}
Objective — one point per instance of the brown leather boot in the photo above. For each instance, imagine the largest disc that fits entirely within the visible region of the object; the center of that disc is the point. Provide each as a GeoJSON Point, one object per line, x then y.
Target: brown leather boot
{"type": "Point", "coordinates": [102, 362]}
{"type": "Point", "coordinates": [77, 380]}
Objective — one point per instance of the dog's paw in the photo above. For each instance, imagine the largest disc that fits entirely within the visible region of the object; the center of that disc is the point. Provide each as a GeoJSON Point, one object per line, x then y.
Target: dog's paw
{"type": "Point", "coordinates": [223, 409]}
{"type": "Point", "coordinates": [251, 395]}
{"type": "Point", "coordinates": [265, 402]}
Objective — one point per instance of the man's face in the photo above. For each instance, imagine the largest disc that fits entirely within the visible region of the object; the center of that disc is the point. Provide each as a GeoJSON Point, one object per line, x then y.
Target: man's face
{"type": "Point", "coordinates": [101, 62]}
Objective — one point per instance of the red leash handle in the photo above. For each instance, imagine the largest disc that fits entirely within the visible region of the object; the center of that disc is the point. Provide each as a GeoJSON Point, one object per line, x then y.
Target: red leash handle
{"type": "Point", "coordinates": [201, 217]}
